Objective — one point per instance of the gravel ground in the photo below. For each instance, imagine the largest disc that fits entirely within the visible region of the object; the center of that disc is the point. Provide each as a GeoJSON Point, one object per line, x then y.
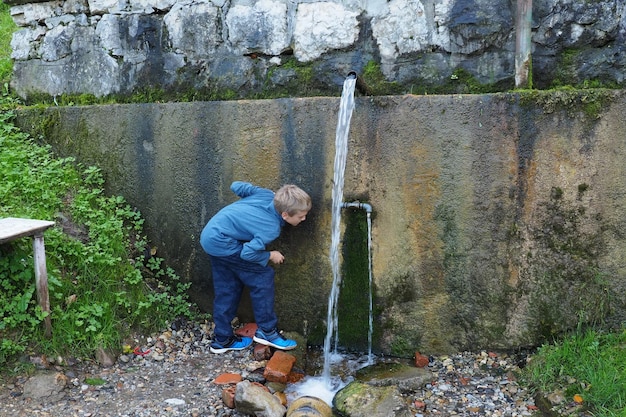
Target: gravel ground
{"type": "Point", "coordinates": [175, 378]}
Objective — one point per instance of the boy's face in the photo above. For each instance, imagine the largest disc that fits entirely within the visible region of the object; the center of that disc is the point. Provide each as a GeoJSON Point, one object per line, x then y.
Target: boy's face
{"type": "Point", "coordinates": [296, 219]}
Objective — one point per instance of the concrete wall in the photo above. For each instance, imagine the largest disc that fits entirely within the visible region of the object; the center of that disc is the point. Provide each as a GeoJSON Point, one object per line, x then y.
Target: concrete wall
{"type": "Point", "coordinates": [498, 219]}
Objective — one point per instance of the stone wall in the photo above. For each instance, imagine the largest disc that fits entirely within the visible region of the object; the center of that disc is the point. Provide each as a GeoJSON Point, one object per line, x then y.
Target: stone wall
{"type": "Point", "coordinates": [498, 219]}
{"type": "Point", "coordinates": [198, 47]}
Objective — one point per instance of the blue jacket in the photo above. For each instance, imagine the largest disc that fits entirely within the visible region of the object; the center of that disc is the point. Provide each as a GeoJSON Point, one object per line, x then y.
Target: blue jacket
{"type": "Point", "coordinates": [246, 226]}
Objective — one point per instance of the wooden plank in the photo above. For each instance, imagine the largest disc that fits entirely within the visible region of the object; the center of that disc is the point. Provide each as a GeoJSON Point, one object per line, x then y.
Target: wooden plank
{"type": "Point", "coordinates": [12, 228]}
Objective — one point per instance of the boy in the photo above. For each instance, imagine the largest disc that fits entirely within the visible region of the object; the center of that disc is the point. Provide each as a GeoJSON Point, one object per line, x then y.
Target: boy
{"type": "Point", "coordinates": [235, 239]}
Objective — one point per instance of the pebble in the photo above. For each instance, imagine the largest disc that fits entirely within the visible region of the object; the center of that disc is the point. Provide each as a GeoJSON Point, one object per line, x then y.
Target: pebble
{"type": "Point", "coordinates": [176, 379]}
{"type": "Point", "coordinates": [475, 384]}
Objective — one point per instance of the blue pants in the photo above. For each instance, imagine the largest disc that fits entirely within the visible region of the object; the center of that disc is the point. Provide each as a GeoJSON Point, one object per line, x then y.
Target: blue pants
{"type": "Point", "coordinates": [230, 275]}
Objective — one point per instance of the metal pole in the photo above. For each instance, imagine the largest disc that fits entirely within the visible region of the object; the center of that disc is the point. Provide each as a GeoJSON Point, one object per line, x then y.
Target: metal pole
{"type": "Point", "coordinates": [523, 59]}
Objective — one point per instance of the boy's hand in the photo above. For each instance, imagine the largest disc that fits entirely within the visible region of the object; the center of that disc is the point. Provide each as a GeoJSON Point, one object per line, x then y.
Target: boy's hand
{"type": "Point", "coordinates": [276, 257]}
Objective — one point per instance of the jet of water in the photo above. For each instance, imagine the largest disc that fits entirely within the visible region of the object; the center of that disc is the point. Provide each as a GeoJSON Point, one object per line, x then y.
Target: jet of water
{"type": "Point", "coordinates": [346, 107]}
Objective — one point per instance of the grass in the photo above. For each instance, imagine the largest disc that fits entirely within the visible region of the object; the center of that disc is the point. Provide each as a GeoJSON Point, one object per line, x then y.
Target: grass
{"type": "Point", "coordinates": [7, 27]}
{"type": "Point", "coordinates": [588, 366]}
{"type": "Point", "coordinates": [104, 282]}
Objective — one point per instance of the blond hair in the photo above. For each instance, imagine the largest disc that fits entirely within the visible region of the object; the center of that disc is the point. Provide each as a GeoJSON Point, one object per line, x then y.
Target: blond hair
{"type": "Point", "coordinates": [291, 199]}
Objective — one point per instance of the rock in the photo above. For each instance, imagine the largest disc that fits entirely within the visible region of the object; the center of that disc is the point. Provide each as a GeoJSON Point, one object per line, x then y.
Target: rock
{"type": "Point", "coordinates": [272, 38]}
{"type": "Point", "coordinates": [106, 47]}
{"type": "Point", "coordinates": [362, 400]}
{"type": "Point", "coordinates": [282, 397]}
{"type": "Point", "coordinates": [406, 378]}
{"type": "Point", "coordinates": [556, 397]}
{"type": "Point", "coordinates": [323, 26]}
{"type": "Point", "coordinates": [275, 387]}
{"type": "Point", "coordinates": [253, 399]}
{"type": "Point", "coordinates": [45, 387]}
{"type": "Point", "coordinates": [256, 375]}
{"type": "Point", "coordinates": [105, 358]}
{"type": "Point", "coordinates": [175, 401]}
{"type": "Point", "coordinates": [142, 387]}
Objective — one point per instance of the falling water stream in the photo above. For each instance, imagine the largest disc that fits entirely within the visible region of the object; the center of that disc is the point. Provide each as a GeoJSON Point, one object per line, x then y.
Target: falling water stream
{"type": "Point", "coordinates": [370, 357]}
{"type": "Point", "coordinates": [341, 151]}
{"type": "Point", "coordinates": [326, 386]}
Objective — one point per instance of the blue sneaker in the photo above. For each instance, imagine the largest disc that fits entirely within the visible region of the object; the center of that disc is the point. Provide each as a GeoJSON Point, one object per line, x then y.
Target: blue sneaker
{"type": "Point", "coordinates": [274, 339]}
{"type": "Point", "coordinates": [233, 343]}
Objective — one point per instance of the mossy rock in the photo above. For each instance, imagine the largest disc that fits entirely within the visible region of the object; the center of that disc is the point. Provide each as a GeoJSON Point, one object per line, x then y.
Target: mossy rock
{"type": "Point", "coordinates": [362, 400]}
{"type": "Point", "coordinates": [407, 378]}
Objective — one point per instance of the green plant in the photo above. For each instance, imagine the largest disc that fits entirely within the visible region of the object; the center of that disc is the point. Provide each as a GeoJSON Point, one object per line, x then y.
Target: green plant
{"type": "Point", "coordinates": [375, 80]}
{"type": "Point", "coordinates": [7, 28]}
{"type": "Point", "coordinates": [587, 363]}
{"type": "Point", "coordinates": [103, 283]}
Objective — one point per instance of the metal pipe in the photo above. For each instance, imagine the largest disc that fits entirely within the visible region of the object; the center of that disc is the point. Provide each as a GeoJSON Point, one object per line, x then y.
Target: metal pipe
{"type": "Point", "coordinates": [360, 84]}
{"type": "Point", "coordinates": [358, 205]}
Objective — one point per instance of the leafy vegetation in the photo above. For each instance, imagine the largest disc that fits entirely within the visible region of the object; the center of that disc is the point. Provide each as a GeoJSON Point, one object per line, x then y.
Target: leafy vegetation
{"type": "Point", "coordinates": [7, 27]}
{"type": "Point", "coordinates": [104, 282]}
{"type": "Point", "coordinates": [588, 367]}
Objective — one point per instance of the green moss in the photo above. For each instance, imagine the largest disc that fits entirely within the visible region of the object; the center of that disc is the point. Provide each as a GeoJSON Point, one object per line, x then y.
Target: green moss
{"type": "Point", "coordinates": [462, 81]}
{"type": "Point", "coordinates": [556, 193]}
{"type": "Point", "coordinates": [402, 347]}
{"type": "Point", "coordinates": [574, 101]}
{"type": "Point", "coordinates": [571, 289]}
{"type": "Point", "coordinates": [353, 308]}
{"type": "Point", "coordinates": [566, 67]}
{"type": "Point", "coordinates": [303, 83]}
{"type": "Point", "coordinates": [566, 75]}
{"type": "Point", "coordinates": [592, 109]}
{"type": "Point", "coordinates": [375, 81]}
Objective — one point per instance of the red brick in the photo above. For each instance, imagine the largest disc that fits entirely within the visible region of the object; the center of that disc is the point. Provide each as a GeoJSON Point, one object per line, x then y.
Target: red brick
{"type": "Point", "coordinates": [279, 367]}
{"type": "Point", "coordinates": [421, 361]}
{"type": "Point", "coordinates": [246, 330]}
{"type": "Point", "coordinates": [224, 379]}
{"type": "Point", "coordinates": [420, 405]}
{"type": "Point", "coordinates": [295, 376]}
{"type": "Point", "coordinates": [262, 352]}
{"type": "Point", "coordinates": [228, 396]}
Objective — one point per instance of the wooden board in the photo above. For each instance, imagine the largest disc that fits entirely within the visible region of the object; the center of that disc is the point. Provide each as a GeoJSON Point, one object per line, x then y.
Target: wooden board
{"type": "Point", "coordinates": [12, 228]}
